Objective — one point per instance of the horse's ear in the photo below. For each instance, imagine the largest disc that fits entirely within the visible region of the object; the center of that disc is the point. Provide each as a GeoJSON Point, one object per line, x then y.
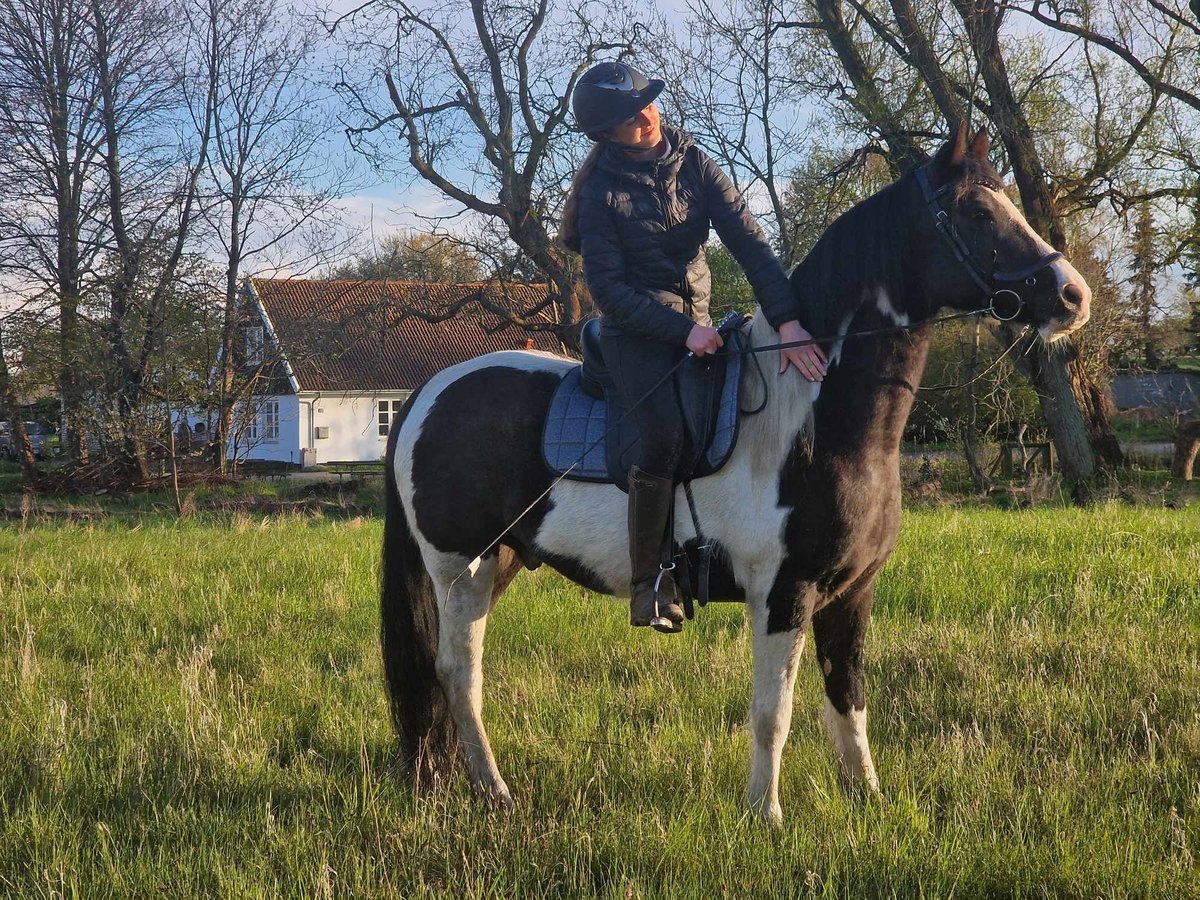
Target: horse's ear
{"type": "Point", "coordinates": [952, 153]}
{"type": "Point", "coordinates": [981, 145]}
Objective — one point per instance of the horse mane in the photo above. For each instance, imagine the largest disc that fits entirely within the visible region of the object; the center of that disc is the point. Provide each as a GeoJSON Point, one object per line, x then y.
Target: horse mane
{"type": "Point", "coordinates": [865, 248]}
{"type": "Point", "coordinates": [859, 250]}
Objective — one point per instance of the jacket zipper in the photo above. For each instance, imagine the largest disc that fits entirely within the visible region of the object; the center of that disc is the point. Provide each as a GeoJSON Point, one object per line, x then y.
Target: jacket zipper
{"type": "Point", "coordinates": [685, 289]}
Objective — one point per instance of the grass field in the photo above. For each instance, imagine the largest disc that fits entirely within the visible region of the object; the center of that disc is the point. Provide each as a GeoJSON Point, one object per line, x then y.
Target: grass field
{"type": "Point", "coordinates": [195, 709]}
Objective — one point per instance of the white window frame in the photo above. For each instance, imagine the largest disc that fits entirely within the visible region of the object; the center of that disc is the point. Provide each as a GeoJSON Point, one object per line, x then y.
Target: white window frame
{"type": "Point", "coordinates": [270, 419]}
{"type": "Point", "coordinates": [386, 412]}
{"type": "Point", "coordinates": [262, 425]}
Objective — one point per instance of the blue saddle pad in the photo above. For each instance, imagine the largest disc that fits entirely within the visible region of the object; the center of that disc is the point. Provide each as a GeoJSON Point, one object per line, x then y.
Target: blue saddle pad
{"type": "Point", "coordinates": [574, 432]}
{"type": "Point", "coordinates": [580, 442]}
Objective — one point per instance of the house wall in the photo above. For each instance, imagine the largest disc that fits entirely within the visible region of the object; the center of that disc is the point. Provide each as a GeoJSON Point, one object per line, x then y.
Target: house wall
{"type": "Point", "coordinates": [284, 448]}
{"type": "Point", "coordinates": [352, 421]}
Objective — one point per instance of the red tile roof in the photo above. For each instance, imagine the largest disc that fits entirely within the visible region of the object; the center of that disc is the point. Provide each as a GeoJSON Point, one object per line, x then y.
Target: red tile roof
{"type": "Point", "coordinates": [372, 336]}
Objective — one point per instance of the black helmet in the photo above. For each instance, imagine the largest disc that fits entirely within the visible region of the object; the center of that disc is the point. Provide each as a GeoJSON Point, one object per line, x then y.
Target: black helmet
{"type": "Point", "coordinates": [609, 93]}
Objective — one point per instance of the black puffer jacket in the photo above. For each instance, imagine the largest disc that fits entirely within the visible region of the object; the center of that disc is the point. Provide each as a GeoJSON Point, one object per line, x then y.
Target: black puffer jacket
{"type": "Point", "coordinates": [642, 228]}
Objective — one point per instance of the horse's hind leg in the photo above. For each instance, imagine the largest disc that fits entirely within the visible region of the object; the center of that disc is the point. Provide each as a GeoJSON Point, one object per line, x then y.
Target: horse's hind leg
{"type": "Point", "coordinates": [840, 630]}
{"type": "Point", "coordinates": [464, 600]}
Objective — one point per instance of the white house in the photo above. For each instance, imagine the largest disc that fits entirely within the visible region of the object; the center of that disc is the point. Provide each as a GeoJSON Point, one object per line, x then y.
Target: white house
{"type": "Point", "coordinates": [335, 360]}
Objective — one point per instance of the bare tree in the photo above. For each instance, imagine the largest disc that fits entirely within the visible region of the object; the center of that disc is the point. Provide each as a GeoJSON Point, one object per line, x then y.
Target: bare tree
{"type": "Point", "coordinates": [479, 105]}
{"type": "Point", "coordinates": [50, 138]}
{"type": "Point", "coordinates": [1156, 39]}
{"type": "Point", "coordinates": [150, 183]}
{"type": "Point", "coordinates": [888, 122]}
{"type": "Point", "coordinates": [744, 103]}
{"type": "Point", "coordinates": [9, 411]}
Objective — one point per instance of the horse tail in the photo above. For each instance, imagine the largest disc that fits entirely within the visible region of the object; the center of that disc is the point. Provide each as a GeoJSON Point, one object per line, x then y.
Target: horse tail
{"type": "Point", "coordinates": [408, 637]}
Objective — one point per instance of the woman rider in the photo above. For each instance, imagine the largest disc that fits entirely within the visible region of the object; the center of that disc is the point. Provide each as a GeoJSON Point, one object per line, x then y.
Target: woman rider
{"type": "Point", "coordinates": [639, 212]}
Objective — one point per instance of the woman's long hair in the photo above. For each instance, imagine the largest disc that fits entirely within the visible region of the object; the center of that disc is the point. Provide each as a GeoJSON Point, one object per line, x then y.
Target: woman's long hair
{"type": "Point", "coordinates": [568, 229]}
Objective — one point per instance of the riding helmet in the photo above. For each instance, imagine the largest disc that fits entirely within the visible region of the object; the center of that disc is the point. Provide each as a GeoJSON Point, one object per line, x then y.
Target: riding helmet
{"type": "Point", "coordinates": [609, 93]}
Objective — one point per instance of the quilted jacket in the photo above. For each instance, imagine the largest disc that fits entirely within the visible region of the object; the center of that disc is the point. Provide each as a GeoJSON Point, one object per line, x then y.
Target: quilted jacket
{"type": "Point", "coordinates": [641, 228]}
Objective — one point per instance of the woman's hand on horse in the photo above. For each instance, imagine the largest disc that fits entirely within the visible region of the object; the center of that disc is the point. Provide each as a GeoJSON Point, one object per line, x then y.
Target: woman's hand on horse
{"type": "Point", "coordinates": [810, 361]}
{"type": "Point", "coordinates": [703, 340]}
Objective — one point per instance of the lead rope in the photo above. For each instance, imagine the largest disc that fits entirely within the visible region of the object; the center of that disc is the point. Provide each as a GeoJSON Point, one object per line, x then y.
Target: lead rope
{"type": "Point", "coordinates": [473, 566]}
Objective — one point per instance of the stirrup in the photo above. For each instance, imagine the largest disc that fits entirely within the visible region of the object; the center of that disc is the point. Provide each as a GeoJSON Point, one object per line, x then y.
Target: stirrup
{"type": "Point", "coordinates": [659, 622]}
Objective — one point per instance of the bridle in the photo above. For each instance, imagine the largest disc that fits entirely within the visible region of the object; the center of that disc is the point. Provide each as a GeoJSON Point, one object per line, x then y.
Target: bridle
{"type": "Point", "coordinates": [994, 284]}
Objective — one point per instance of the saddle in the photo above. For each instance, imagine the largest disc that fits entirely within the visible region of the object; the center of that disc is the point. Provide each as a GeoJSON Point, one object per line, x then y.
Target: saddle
{"type": "Point", "coordinates": [588, 437]}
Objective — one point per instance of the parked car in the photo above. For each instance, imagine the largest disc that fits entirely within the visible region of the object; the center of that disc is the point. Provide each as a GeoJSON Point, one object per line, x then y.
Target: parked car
{"type": "Point", "coordinates": [39, 438]}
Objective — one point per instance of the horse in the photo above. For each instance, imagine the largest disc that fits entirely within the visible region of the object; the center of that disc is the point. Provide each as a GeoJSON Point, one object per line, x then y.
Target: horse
{"type": "Point", "coordinates": [804, 513]}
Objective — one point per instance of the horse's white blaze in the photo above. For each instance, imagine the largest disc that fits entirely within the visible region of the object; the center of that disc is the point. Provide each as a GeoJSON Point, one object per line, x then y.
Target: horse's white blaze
{"type": "Point", "coordinates": [883, 303]}
{"type": "Point", "coordinates": [776, 658]}
{"type": "Point", "coordinates": [849, 735]}
{"type": "Point", "coordinates": [1064, 274]}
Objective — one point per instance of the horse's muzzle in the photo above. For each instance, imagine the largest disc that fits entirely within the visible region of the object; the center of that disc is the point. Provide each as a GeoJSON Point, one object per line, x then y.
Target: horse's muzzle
{"type": "Point", "coordinates": [1076, 300]}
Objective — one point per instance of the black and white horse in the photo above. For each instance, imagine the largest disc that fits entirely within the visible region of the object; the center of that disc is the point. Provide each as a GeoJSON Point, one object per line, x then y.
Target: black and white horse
{"type": "Point", "coordinates": [805, 512]}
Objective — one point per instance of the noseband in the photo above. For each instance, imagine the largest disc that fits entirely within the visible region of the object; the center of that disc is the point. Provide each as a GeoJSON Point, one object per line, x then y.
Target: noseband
{"type": "Point", "coordinates": [996, 286]}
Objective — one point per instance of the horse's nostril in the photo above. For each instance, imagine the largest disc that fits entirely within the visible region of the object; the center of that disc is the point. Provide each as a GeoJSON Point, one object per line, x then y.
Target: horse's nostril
{"type": "Point", "coordinates": [1073, 294]}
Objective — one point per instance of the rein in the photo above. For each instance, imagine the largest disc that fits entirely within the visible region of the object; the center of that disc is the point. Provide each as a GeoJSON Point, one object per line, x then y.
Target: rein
{"type": "Point", "coordinates": [866, 332]}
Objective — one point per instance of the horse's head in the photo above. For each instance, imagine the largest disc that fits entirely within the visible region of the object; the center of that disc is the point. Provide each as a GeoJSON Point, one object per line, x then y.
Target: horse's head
{"type": "Point", "coordinates": [977, 248]}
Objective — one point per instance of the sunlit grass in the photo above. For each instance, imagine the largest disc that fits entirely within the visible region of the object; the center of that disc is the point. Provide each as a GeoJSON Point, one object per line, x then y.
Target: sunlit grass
{"type": "Point", "coordinates": [195, 710]}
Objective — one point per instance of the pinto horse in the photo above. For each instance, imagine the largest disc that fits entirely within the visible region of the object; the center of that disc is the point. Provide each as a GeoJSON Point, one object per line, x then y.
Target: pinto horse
{"type": "Point", "coordinates": [805, 512]}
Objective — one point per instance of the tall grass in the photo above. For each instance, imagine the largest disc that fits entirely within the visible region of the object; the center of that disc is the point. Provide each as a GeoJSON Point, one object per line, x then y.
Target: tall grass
{"type": "Point", "coordinates": [195, 709]}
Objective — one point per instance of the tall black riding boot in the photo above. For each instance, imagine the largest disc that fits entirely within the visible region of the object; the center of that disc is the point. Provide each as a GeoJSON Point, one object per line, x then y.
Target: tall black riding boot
{"type": "Point", "coordinates": [652, 598]}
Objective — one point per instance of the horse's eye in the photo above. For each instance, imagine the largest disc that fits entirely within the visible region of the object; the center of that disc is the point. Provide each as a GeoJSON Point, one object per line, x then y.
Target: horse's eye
{"type": "Point", "coordinates": [979, 215]}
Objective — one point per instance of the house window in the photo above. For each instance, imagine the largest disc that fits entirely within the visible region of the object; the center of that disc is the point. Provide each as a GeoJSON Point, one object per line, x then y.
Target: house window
{"type": "Point", "coordinates": [254, 345]}
{"type": "Point", "coordinates": [264, 424]}
{"type": "Point", "coordinates": [388, 410]}
{"type": "Point", "coordinates": [270, 419]}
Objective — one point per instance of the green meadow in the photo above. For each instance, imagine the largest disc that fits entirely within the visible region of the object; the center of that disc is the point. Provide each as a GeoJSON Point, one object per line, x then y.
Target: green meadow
{"type": "Point", "coordinates": [194, 709]}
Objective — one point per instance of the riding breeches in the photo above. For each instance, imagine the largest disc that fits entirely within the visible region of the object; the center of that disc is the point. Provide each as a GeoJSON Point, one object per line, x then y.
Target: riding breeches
{"type": "Point", "coordinates": [636, 365]}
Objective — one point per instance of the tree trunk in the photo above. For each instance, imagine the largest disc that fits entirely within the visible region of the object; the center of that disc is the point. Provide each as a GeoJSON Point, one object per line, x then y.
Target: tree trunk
{"type": "Point", "coordinates": [1187, 445]}
{"type": "Point", "coordinates": [74, 431]}
{"type": "Point", "coordinates": [561, 268]}
{"type": "Point", "coordinates": [231, 317]}
{"type": "Point", "coordinates": [1071, 402]}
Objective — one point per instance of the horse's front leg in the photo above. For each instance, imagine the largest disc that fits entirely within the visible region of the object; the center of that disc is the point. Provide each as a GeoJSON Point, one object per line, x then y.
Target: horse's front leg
{"type": "Point", "coordinates": [775, 663]}
{"type": "Point", "coordinates": [840, 631]}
